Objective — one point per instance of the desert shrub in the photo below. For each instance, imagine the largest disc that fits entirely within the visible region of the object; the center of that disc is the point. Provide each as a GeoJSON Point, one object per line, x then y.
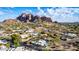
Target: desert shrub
{"type": "Point", "coordinates": [16, 39]}
{"type": "Point", "coordinates": [7, 45]}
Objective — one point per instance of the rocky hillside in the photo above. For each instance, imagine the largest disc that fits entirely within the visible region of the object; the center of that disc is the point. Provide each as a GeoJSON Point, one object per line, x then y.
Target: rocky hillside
{"type": "Point", "coordinates": [10, 21]}
{"type": "Point", "coordinates": [29, 32]}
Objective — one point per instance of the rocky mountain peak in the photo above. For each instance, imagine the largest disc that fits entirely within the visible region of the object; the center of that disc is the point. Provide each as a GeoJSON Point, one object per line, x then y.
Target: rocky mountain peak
{"type": "Point", "coordinates": [31, 18]}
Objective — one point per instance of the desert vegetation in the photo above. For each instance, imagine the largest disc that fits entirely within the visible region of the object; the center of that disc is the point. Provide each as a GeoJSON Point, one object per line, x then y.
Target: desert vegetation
{"type": "Point", "coordinates": [38, 33]}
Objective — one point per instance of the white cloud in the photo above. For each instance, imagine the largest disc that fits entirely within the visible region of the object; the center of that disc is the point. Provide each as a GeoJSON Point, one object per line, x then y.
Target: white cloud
{"type": "Point", "coordinates": [39, 12]}
{"type": "Point", "coordinates": [27, 11]}
{"type": "Point", "coordinates": [64, 14]}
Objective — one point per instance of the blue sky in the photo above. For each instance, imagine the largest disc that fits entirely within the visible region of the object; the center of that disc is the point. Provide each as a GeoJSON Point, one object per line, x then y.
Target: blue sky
{"type": "Point", "coordinates": [60, 14]}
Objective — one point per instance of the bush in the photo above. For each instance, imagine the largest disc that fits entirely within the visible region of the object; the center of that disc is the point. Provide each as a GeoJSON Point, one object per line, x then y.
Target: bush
{"type": "Point", "coordinates": [7, 45]}
{"type": "Point", "coordinates": [5, 37]}
{"type": "Point", "coordinates": [57, 39]}
{"type": "Point", "coordinates": [16, 39]}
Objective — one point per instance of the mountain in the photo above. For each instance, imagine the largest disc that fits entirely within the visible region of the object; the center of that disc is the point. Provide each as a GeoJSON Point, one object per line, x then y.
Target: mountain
{"type": "Point", "coordinates": [48, 19]}
{"type": "Point", "coordinates": [31, 18]}
{"type": "Point", "coordinates": [10, 21]}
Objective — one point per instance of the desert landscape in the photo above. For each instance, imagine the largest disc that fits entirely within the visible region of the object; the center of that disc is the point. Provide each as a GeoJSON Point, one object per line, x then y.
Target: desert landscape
{"type": "Point", "coordinates": [32, 32]}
